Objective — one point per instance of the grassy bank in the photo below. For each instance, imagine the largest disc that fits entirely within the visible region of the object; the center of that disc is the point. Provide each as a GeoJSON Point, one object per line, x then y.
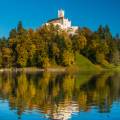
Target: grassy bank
{"type": "Point", "coordinates": [84, 64]}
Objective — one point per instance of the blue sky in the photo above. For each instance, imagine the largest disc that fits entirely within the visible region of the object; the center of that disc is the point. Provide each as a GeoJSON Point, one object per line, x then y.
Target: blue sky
{"type": "Point", "coordinates": [33, 13]}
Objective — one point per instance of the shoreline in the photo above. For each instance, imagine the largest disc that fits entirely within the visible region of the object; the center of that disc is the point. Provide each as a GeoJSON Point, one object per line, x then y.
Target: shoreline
{"type": "Point", "coordinates": [33, 69]}
{"type": "Point", "coordinates": [55, 69]}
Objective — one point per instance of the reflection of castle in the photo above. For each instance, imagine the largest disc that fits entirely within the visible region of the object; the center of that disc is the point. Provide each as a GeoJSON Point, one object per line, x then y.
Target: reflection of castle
{"type": "Point", "coordinates": [65, 111]}
{"type": "Point", "coordinates": [62, 22]}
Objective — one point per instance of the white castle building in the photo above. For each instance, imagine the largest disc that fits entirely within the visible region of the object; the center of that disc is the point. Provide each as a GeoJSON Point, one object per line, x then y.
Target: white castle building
{"type": "Point", "coordinates": [63, 22]}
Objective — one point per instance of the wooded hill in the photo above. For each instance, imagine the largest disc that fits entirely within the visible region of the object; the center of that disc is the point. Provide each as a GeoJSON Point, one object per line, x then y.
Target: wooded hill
{"type": "Point", "coordinates": [50, 46]}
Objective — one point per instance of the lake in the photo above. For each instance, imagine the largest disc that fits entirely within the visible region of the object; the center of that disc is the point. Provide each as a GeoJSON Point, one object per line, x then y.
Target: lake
{"type": "Point", "coordinates": [60, 96]}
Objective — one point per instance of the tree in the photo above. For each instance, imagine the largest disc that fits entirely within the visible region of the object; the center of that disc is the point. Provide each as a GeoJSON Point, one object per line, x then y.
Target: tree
{"type": "Point", "coordinates": [22, 56]}
{"type": "Point", "coordinates": [79, 41]}
{"type": "Point", "coordinates": [6, 57]}
{"type": "Point", "coordinates": [68, 58]}
{"type": "Point", "coordinates": [20, 28]}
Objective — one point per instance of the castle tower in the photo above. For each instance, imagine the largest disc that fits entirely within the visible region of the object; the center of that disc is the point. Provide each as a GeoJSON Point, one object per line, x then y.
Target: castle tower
{"type": "Point", "coordinates": [61, 13]}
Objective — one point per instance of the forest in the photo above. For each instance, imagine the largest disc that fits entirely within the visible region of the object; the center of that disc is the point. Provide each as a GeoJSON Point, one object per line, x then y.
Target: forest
{"type": "Point", "coordinates": [49, 46]}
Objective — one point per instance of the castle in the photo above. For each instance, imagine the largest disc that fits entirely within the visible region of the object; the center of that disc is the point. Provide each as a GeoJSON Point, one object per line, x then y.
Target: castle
{"type": "Point", "coordinates": [63, 22]}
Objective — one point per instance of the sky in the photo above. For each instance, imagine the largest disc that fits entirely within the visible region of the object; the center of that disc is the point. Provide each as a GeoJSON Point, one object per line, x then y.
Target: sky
{"type": "Point", "coordinates": [83, 13]}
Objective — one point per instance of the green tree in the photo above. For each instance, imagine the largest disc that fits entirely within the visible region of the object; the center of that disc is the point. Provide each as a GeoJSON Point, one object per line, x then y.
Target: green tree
{"type": "Point", "coordinates": [6, 57]}
{"type": "Point", "coordinates": [22, 56]}
{"type": "Point", "coordinates": [79, 41]}
{"type": "Point", "coordinates": [68, 58]}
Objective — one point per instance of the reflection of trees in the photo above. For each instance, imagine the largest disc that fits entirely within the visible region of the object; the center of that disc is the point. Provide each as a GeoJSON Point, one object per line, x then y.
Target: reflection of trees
{"type": "Point", "coordinates": [59, 94]}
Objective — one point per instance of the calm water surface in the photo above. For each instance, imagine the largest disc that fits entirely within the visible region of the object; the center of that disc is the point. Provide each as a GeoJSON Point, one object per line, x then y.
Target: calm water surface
{"type": "Point", "coordinates": [59, 96]}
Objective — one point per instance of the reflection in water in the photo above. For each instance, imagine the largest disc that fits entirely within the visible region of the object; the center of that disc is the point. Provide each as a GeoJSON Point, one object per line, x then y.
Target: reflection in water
{"type": "Point", "coordinates": [59, 96]}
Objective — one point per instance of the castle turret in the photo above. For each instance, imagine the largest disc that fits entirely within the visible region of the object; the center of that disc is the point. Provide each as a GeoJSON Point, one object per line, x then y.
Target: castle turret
{"type": "Point", "coordinates": [61, 13]}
